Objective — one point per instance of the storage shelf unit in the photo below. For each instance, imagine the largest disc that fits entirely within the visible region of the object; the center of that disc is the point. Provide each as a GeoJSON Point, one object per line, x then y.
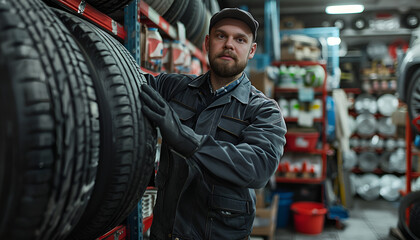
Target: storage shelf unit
{"type": "Point", "coordinates": [149, 15]}
{"type": "Point", "coordinates": [363, 148]}
{"type": "Point", "coordinates": [325, 150]}
{"type": "Point", "coordinates": [330, 53]}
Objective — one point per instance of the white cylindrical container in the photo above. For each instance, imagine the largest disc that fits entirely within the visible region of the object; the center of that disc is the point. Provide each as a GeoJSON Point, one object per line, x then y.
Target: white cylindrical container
{"type": "Point", "coordinates": [284, 106]}
{"type": "Point", "coordinates": [187, 62]}
{"type": "Point", "coordinates": [195, 66]}
{"type": "Point", "coordinates": [155, 44]}
{"type": "Point", "coordinates": [316, 108]}
{"type": "Point", "coordinates": [178, 54]}
{"type": "Point", "coordinates": [294, 108]}
{"type": "Point", "coordinates": [165, 51]}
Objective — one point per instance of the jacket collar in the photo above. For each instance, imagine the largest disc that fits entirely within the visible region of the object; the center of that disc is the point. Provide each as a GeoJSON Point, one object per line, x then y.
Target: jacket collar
{"type": "Point", "coordinates": [241, 92]}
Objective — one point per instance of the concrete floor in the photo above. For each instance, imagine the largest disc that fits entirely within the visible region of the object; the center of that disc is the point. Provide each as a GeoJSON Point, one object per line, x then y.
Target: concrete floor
{"type": "Point", "coordinates": [368, 220]}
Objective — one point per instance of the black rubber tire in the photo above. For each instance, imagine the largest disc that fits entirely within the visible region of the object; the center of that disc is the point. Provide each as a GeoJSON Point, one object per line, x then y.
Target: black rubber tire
{"type": "Point", "coordinates": [415, 219]}
{"type": "Point", "coordinates": [127, 138]}
{"type": "Point", "coordinates": [406, 202]}
{"type": "Point", "coordinates": [49, 126]}
{"type": "Point", "coordinates": [108, 6]}
{"type": "Point", "coordinates": [192, 17]}
{"type": "Point", "coordinates": [413, 97]}
{"type": "Point", "coordinates": [197, 37]}
{"type": "Point", "coordinates": [176, 11]}
{"type": "Point", "coordinates": [160, 6]}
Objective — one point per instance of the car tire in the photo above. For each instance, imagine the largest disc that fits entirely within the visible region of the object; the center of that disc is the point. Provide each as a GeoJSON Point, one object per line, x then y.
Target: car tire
{"type": "Point", "coordinates": [407, 201]}
{"type": "Point", "coordinates": [176, 11]}
{"type": "Point", "coordinates": [108, 6]}
{"type": "Point", "coordinates": [128, 140]}
{"type": "Point", "coordinates": [413, 97]}
{"type": "Point", "coordinates": [49, 124]}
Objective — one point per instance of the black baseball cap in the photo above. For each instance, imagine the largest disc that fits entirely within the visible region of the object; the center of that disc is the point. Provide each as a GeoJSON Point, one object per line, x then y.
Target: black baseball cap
{"type": "Point", "coordinates": [236, 13]}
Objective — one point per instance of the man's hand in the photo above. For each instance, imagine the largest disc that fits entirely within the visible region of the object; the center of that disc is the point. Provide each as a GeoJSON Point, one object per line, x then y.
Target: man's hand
{"type": "Point", "coordinates": [181, 138]}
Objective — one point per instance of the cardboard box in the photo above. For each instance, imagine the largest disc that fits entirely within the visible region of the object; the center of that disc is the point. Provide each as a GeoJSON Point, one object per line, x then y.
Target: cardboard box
{"type": "Point", "coordinates": [261, 82]}
{"type": "Point", "coordinates": [299, 47]}
{"type": "Point", "coordinates": [398, 117]}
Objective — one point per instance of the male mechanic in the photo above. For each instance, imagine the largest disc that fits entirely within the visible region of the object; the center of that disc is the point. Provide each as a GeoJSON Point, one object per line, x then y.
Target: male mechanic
{"type": "Point", "coordinates": [222, 138]}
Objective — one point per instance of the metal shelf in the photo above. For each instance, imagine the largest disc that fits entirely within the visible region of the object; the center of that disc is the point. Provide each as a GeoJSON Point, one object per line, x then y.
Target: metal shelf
{"type": "Point", "coordinates": [300, 180]}
{"type": "Point", "coordinates": [295, 119]}
{"type": "Point", "coordinates": [117, 233]}
{"type": "Point", "coordinates": [325, 150]}
{"type": "Point", "coordinates": [100, 19]}
{"type": "Point", "coordinates": [295, 90]}
{"type": "Point", "coordinates": [350, 33]}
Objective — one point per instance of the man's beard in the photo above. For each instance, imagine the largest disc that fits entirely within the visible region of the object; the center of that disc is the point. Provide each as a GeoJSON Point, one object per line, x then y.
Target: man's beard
{"type": "Point", "coordinates": [225, 70]}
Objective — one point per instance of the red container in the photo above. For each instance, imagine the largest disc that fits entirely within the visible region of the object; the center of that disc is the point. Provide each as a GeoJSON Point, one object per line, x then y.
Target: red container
{"type": "Point", "coordinates": [301, 141]}
{"type": "Point", "coordinates": [308, 217]}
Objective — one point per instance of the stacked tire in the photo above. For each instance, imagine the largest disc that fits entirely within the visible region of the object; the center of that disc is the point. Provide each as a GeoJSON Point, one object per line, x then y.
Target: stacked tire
{"type": "Point", "coordinates": [76, 154]}
{"type": "Point", "coordinates": [108, 6]}
{"type": "Point", "coordinates": [192, 13]}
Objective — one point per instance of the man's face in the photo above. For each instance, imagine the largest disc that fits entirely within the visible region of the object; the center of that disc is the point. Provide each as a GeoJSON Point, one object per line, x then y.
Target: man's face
{"type": "Point", "coordinates": [229, 46]}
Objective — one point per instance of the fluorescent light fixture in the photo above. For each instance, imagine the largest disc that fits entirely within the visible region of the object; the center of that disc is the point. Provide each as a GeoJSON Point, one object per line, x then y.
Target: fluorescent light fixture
{"type": "Point", "coordinates": [332, 41]}
{"type": "Point", "coordinates": [344, 9]}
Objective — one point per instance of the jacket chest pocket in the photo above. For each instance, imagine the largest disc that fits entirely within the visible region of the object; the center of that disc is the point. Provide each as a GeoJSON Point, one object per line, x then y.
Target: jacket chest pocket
{"type": "Point", "coordinates": [185, 113]}
{"type": "Point", "coordinates": [230, 129]}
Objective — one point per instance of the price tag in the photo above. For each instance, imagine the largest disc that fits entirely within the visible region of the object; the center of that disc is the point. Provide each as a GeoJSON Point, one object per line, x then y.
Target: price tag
{"type": "Point", "coordinates": [306, 94]}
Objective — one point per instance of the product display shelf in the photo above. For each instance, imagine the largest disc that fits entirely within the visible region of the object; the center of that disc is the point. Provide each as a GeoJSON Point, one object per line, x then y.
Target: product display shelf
{"type": "Point", "coordinates": [100, 19]}
{"type": "Point", "coordinates": [300, 180]}
{"type": "Point", "coordinates": [295, 90]}
{"type": "Point", "coordinates": [352, 90]}
{"type": "Point", "coordinates": [295, 119]}
{"type": "Point", "coordinates": [379, 151]}
{"type": "Point", "coordinates": [151, 16]}
{"type": "Point", "coordinates": [321, 93]}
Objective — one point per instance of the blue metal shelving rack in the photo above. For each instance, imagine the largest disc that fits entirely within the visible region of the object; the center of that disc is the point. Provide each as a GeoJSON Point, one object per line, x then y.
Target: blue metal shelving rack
{"type": "Point", "coordinates": [132, 43]}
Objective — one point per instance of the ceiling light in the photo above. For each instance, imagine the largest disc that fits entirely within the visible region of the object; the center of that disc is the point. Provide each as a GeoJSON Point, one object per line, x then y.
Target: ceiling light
{"type": "Point", "coordinates": [344, 9]}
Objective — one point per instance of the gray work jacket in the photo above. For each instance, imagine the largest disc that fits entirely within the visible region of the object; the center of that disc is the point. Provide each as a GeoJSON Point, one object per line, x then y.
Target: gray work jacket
{"type": "Point", "coordinates": [210, 195]}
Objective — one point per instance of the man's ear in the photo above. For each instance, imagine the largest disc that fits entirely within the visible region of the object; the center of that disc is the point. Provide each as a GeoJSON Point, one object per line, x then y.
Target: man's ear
{"type": "Point", "coordinates": [252, 50]}
{"type": "Point", "coordinates": [207, 43]}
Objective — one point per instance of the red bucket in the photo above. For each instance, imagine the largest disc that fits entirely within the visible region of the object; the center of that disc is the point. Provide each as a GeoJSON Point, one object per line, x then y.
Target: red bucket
{"type": "Point", "coordinates": [308, 217]}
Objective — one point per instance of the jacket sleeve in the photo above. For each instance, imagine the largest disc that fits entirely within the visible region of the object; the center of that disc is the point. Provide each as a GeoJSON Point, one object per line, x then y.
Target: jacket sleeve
{"type": "Point", "coordinates": [250, 163]}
